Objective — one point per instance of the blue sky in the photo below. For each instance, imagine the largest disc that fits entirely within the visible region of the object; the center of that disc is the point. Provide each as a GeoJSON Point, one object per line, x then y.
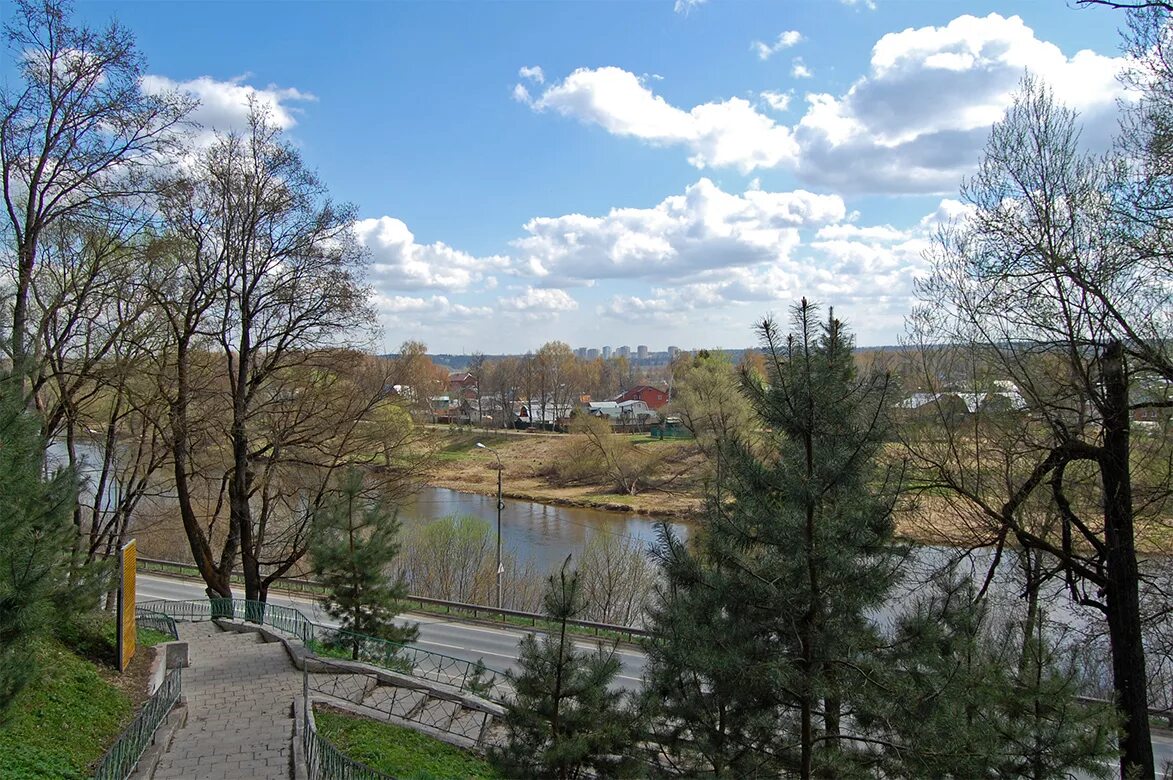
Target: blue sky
{"type": "Point", "coordinates": [652, 172]}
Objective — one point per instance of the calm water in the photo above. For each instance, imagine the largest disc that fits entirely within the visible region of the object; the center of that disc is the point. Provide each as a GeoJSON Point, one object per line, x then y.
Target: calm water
{"type": "Point", "coordinates": [536, 533]}
{"type": "Point", "coordinates": [540, 534]}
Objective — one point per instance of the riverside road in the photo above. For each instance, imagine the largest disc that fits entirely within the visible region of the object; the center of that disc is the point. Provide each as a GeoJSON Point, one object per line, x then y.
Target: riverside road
{"type": "Point", "coordinates": [497, 647]}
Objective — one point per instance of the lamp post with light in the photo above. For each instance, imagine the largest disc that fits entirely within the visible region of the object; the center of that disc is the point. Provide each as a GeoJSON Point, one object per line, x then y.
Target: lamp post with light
{"type": "Point", "coordinates": [500, 506]}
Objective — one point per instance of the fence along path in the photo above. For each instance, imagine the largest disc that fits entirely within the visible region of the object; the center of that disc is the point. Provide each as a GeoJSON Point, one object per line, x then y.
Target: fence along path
{"type": "Point", "coordinates": [239, 692]}
{"type": "Point", "coordinates": [408, 659]}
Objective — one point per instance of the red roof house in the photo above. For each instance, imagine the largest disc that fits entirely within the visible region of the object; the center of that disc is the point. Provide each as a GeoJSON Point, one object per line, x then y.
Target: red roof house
{"type": "Point", "coordinates": [652, 396]}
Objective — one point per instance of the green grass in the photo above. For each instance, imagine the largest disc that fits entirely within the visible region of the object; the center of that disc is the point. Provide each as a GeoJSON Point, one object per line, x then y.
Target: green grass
{"type": "Point", "coordinates": [149, 637]}
{"type": "Point", "coordinates": [399, 751]}
{"type": "Point", "coordinates": [63, 721]}
{"type": "Point", "coordinates": [345, 652]}
{"type": "Point", "coordinates": [465, 442]}
{"type": "Point", "coordinates": [94, 637]}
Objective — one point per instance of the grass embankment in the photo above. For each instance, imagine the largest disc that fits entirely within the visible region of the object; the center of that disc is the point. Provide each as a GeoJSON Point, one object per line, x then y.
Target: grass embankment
{"type": "Point", "coordinates": [399, 751]}
{"type": "Point", "coordinates": [64, 721]}
{"type": "Point", "coordinates": [531, 462]}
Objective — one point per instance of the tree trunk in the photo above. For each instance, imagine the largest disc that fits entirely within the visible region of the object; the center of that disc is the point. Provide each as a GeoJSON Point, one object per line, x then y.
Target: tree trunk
{"type": "Point", "coordinates": [217, 577]}
{"type": "Point", "coordinates": [806, 736]}
{"type": "Point", "coordinates": [240, 486]}
{"type": "Point", "coordinates": [255, 593]}
{"type": "Point", "coordinates": [26, 255]}
{"type": "Point", "coordinates": [1123, 599]}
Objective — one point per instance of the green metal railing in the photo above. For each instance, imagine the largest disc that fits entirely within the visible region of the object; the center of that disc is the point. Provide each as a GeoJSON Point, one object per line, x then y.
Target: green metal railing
{"type": "Point", "coordinates": [346, 683]}
{"type": "Point", "coordinates": [156, 621]}
{"type": "Point", "coordinates": [122, 758]}
{"type": "Point", "coordinates": [324, 761]}
{"type": "Point", "coordinates": [513, 617]}
{"type": "Point", "coordinates": [324, 640]}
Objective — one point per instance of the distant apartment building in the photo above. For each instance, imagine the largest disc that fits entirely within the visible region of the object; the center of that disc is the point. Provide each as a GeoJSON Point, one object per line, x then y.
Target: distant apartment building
{"type": "Point", "coordinates": [592, 354]}
{"type": "Point", "coordinates": [642, 351]}
{"type": "Point", "coordinates": [606, 353]}
{"type": "Point", "coordinates": [673, 352]}
{"type": "Point", "coordinates": [624, 351]}
{"type": "Point", "coordinates": [581, 353]}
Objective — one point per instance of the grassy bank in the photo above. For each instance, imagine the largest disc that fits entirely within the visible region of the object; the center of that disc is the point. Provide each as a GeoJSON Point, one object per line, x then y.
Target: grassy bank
{"type": "Point", "coordinates": [531, 465]}
{"type": "Point", "coordinates": [399, 751]}
{"type": "Point", "coordinates": [65, 719]}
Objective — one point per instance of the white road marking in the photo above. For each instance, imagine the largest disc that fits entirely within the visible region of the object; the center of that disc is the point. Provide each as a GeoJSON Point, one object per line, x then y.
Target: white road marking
{"type": "Point", "coordinates": [441, 644]}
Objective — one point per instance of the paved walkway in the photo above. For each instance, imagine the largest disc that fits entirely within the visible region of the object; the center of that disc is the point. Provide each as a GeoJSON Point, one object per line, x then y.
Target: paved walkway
{"type": "Point", "coordinates": [239, 692]}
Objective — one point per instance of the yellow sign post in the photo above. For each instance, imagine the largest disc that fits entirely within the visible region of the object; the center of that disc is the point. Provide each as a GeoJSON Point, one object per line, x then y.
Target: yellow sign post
{"type": "Point", "coordinates": [126, 626]}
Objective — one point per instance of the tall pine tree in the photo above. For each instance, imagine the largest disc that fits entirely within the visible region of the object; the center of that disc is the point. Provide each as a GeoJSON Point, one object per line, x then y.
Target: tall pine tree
{"type": "Point", "coordinates": [355, 540]}
{"type": "Point", "coordinates": [979, 691]}
{"type": "Point", "coordinates": [566, 720]}
{"type": "Point", "coordinates": [762, 637]}
{"type": "Point", "coordinates": [37, 592]}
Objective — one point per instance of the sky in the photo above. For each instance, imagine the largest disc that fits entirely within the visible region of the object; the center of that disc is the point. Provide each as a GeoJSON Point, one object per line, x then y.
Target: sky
{"type": "Point", "coordinates": [659, 172]}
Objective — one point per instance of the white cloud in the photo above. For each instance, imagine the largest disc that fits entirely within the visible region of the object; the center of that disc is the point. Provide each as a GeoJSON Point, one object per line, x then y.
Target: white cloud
{"type": "Point", "coordinates": [866, 271]}
{"type": "Point", "coordinates": [918, 120]}
{"type": "Point", "coordinates": [538, 303]}
{"type": "Point", "coordinates": [915, 122]}
{"type": "Point", "coordinates": [684, 6]}
{"type": "Point", "coordinates": [799, 70]}
{"type": "Point", "coordinates": [868, 4]}
{"type": "Point", "coordinates": [730, 133]}
{"type": "Point", "coordinates": [533, 73]}
{"type": "Point", "coordinates": [850, 232]}
{"type": "Point", "coordinates": [398, 262]}
{"type": "Point", "coordinates": [434, 318]}
{"type": "Point", "coordinates": [684, 236]}
{"type": "Point", "coordinates": [521, 94]}
{"type": "Point", "coordinates": [784, 41]}
{"type": "Point", "coordinates": [411, 308]}
{"type": "Point", "coordinates": [778, 101]}
{"type": "Point", "coordinates": [224, 105]}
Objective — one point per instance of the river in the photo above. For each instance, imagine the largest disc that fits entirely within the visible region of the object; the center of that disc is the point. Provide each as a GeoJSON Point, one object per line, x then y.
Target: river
{"type": "Point", "coordinates": [543, 535]}
{"type": "Point", "coordinates": [540, 534]}
{"type": "Point", "coordinates": [537, 534]}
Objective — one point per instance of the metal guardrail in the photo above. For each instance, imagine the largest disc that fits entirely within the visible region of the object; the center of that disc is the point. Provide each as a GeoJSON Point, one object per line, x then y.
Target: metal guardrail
{"type": "Point", "coordinates": [122, 758]}
{"type": "Point", "coordinates": [426, 603]}
{"type": "Point", "coordinates": [349, 685]}
{"type": "Point", "coordinates": [395, 657]}
{"type": "Point", "coordinates": [324, 761]}
{"type": "Point", "coordinates": [156, 621]}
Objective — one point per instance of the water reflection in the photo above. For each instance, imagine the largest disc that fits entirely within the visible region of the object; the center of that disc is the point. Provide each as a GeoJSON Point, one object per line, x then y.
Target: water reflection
{"type": "Point", "coordinates": [537, 533]}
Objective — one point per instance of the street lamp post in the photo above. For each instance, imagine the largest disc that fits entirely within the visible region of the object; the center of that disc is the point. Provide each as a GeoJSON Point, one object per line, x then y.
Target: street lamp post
{"type": "Point", "coordinates": [500, 506]}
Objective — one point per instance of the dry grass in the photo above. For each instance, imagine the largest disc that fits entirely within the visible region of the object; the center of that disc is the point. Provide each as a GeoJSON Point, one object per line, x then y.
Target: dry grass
{"type": "Point", "coordinates": [531, 473]}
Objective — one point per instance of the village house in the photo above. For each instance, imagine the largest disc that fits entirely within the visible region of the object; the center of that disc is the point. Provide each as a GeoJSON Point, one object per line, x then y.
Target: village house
{"type": "Point", "coordinates": [652, 396]}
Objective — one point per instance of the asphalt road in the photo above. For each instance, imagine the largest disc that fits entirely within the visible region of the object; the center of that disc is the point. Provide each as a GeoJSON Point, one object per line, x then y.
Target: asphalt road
{"type": "Point", "coordinates": [496, 647]}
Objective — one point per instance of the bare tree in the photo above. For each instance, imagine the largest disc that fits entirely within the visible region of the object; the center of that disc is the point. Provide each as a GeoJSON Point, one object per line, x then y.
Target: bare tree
{"type": "Point", "coordinates": [1039, 280]}
{"type": "Point", "coordinates": [419, 378]}
{"type": "Point", "coordinates": [476, 367]}
{"type": "Point", "coordinates": [617, 579]}
{"type": "Point", "coordinates": [501, 382]}
{"type": "Point", "coordinates": [270, 276]}
{"type": "Point", "coordinates": [76, 132]}
{"type": "Point", "coordinates": [625, 465]}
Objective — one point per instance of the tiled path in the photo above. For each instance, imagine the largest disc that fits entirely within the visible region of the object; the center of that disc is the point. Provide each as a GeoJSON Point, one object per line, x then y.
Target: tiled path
{"type": "Point", "coordinates": [239, 692]}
